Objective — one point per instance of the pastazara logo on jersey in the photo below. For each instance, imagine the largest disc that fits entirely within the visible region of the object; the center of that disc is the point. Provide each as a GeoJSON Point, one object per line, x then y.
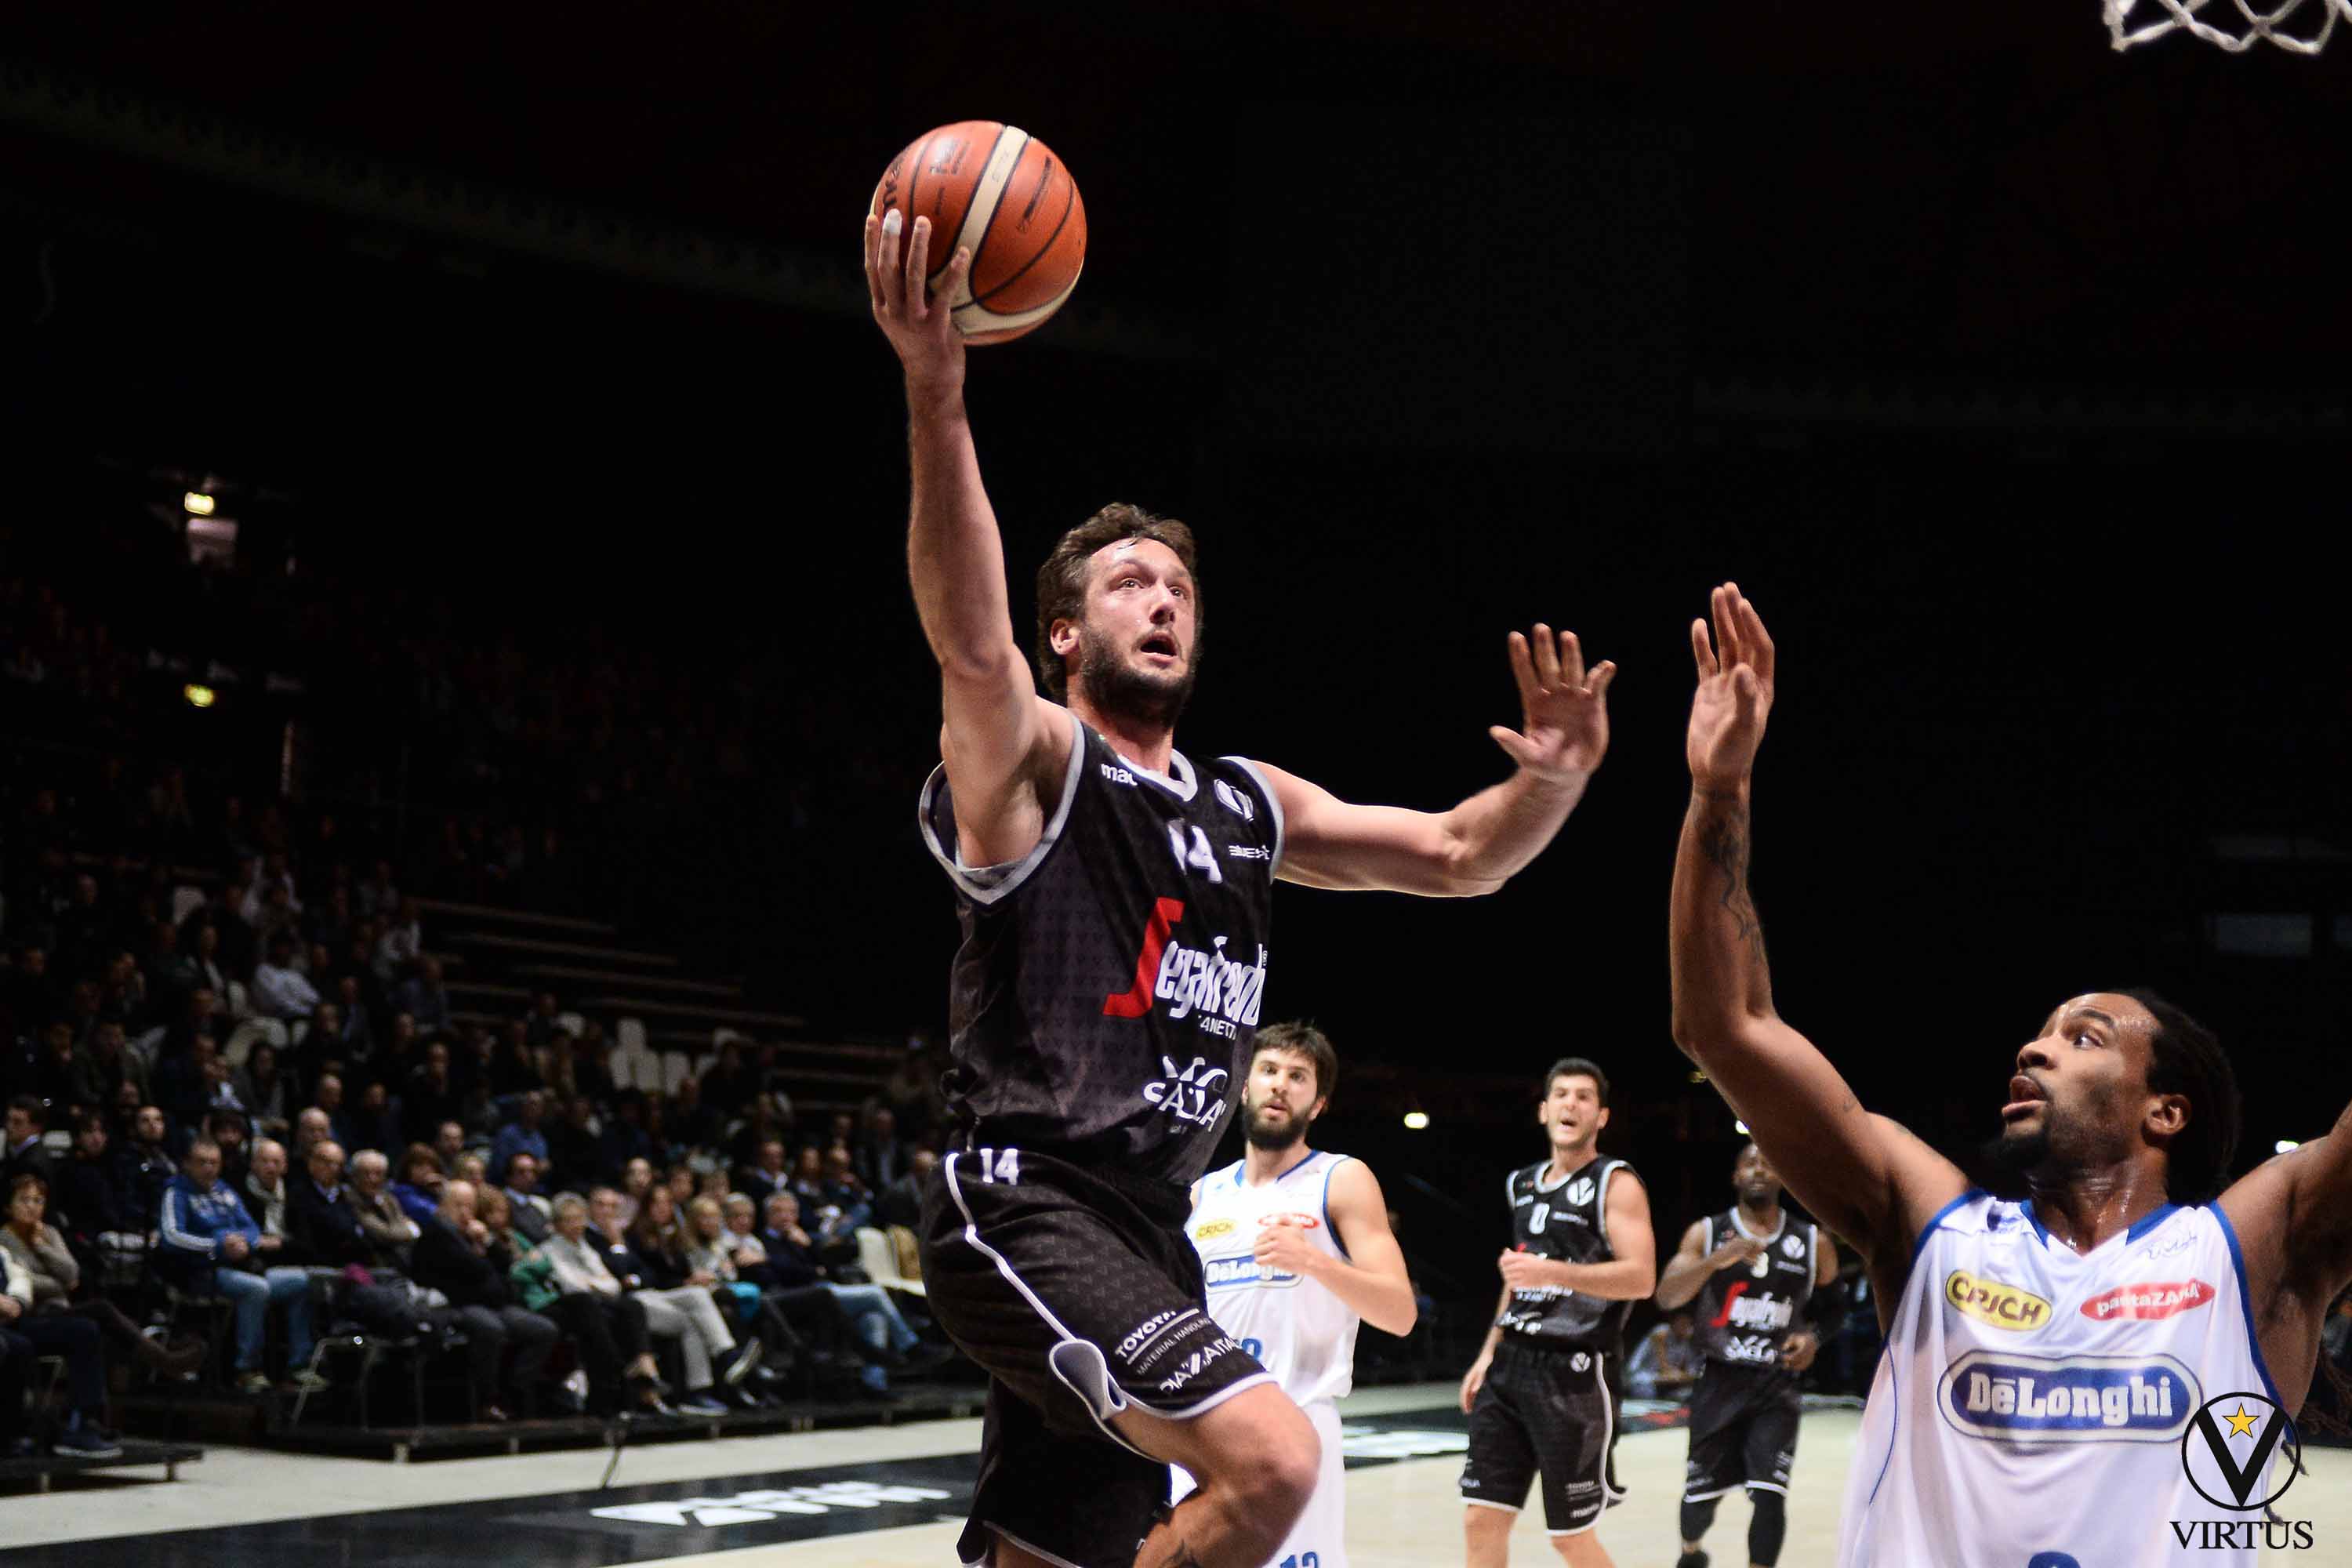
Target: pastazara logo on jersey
{"type": "Point", "coordinates": [2068, 1399]}
{"type": "Point", "coordinates": [2160, 1298]}
{"type": "Point", "coordinates": [1991, 1302]}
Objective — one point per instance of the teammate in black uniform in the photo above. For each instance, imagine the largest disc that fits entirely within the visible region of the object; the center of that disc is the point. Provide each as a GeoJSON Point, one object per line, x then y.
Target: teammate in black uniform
{"type": "Point", "coordinates": [1754, 1272]}
{"type": "Point", "coordinates": [1542, 1396]}
{"type": "Point", "coordinates": [1114, 900]}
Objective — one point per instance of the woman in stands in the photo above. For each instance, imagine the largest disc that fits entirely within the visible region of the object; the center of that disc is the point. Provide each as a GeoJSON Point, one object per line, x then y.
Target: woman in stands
{"type": "Point", "coordinates": [645, 1262]}
{"type": "Point", "coordinates": [566, 1279]}
{"type": "Point", "coordinates": [42, 1257]}
{"type": "Point", "coordinates": [418, 1190]}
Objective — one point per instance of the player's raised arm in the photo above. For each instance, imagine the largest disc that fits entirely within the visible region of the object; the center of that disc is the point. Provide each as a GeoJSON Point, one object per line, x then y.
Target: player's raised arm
{"type": "Point", "coordinates": [999, 739]}
{"type": "Point", "coordinates": [1867, 1178]}
{"type": "Point", "coordinates": [2292, 1215]}
{"type": "Point", "coordinates": [1480, 844]}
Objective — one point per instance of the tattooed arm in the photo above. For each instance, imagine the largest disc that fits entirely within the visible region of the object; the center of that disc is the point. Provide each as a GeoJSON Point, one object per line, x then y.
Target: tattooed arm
{"type": "Point", "coordinates": [1861, 1175]}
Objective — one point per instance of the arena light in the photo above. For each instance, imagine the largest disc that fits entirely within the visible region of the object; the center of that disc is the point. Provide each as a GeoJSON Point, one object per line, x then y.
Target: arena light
{"type": "Point", "coordinates": [1416, 1120]}
{"type": "Point", "coordinates": [2283, 1144]}
{"type": "Point", "coordinates": [199, 696]}
{"type": "Point", "coordinates": [1739, 1127]}
{"type": "Point", "coordinates": [1697, 1076]}
{"type": "Point", "coordinates": [195, 503]}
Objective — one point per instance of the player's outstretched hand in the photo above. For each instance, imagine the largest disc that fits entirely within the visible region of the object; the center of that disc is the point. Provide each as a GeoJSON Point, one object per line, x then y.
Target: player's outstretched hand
{"type": "Point", "coordinates": [1563, 730]}
{"type": "Point", "coordinates": [914, 318]}
{"type": "Point", "coordinates": [1734, 692]}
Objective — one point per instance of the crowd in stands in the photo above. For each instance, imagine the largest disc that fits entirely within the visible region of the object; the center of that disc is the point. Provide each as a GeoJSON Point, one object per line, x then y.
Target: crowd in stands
{"type": "Point", "coordinates": [235, 1079]}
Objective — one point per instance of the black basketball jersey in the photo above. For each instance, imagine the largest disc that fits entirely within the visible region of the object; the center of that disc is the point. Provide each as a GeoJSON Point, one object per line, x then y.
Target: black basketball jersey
{"type": "Point", "coordinates": [1566, 1221]}
{"type": "Point", "coordinates": [1102, 1003]}
{"type": "Point", "coordinates": [1746, 1311]}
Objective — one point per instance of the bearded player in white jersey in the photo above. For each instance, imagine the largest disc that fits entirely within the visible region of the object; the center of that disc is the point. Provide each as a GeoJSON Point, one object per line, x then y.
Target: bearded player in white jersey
{"type": "Point", "coordinates": [1295, 1246]}
{"type": "Point", "coordinates": [2043, 1399]}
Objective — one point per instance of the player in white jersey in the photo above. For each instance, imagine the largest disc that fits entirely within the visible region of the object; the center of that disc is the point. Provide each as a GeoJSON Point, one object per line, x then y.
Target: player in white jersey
{"type": "Point", "coordinates": [2103, 1376]}
{"type": "Point", "coordinates": [1295, 1247]}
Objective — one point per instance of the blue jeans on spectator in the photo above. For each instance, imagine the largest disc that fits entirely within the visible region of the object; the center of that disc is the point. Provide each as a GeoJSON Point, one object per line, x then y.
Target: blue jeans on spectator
{"type": "Point", "coordinates": [873, 1319]}
{"type": "Point", "coordinates": [252, 1294]}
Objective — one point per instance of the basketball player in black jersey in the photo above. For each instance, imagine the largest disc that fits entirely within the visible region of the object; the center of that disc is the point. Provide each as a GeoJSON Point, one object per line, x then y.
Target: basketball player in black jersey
{"type": "Point", "coordinates": [1114, 898]}
{"type": "Point", "coordinates": [1754, 1272]}
{"type": "Point", "coordinates": [1542, 1396]}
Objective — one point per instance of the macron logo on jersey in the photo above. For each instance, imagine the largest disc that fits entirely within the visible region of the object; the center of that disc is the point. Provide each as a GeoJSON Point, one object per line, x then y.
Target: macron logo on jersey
{"type": "Point", "coordinates": [2068, 1399]}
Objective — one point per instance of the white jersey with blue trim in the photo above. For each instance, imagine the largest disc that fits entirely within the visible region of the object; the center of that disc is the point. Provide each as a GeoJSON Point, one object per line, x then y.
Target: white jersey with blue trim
{"type": "Point", "coordinates": [2038, 1408]}
{"type": "Point", "coordinates": [1299, 1330]}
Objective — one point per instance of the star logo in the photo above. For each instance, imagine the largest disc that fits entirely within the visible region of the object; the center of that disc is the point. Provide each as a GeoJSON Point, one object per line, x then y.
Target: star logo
{"type": "Point", "coordinates": [2240, 1423]}
{"type": "Point", "coordinates": [2219, 1473]}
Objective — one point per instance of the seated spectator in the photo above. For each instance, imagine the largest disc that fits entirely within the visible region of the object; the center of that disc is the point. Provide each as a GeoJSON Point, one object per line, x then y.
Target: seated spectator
{"type": "Point", "coordinates": [728, 1086]}
{"type": "Point", "coordinates": [765, 1179]}
{"type": "Point", "coordinates": [430, 1097]}
{"type": "Point", "coordinates": [25, 1338]}
{"type": "Point", "coordinates": [54, 1065]}
{"type": "Point", "coordinates": [418, 1190]}
{"type": "Point", "coordinates": [450, 1142]}
{"type": "Point", "coordinates": [281, 989]}
{"type": "Point", "coordinates": [679, 1312]}
{"type": "Point", "coordinates": [389, 1228]}
{"type": "Point", "coordinates": [880, 1329]}
{"type": "Point", "coordinates": [267, 1093]}
{"type": "Point", "coordinates": [313, 1126]}
{"type": "Point", "coordinates": [680, 1183]}
{"type": "Point", "coordinates": [264, 1200]}
{"type": "Point", "coordinates": [144, 1169]}
{"type": "Point", "coordinates": [353, 1039]}
{"type": "Point", "coordinates": [607, 1322]}
{"type": "Point", "coordinates": [692, 1124]}
{"type": "Point", "coordinates": [211, 1246]}
{"type": "Point", "coordinates": [41, 1252]}
{"type": "Point", "coordinates": [522, 1135]}
{"type": "Point", "coordinates": [533, 1215]}
{"type": "Point", "coordinates": [227, 1128]}
{"type": "Point", "coordinates": [325, 1231]}
{"type": "Point", "coordinates": [847, 1204]}
{"type": "Point", "coordinates": [103, 1066]}
{"type": "Point", "coordinates": [636, 1181]}
{"type": "Point", "coordinates": [575, 1148]}
{"type": "Point", "coordinates": [422, 996]}
{"type": "Point", "coordinates": [401, 943]}
{"type": "Point", "coordinates": [878, 1158]}
{"type": "Point", "coordinates": [1666, 1363]}
{"type": "Point", "coordinates": [375, 1124]}
{"type": "Point", "coordinates": [625, 1138]}
{"type": "Point", "coordinates": [457, 1254]}
{"type": "Point", "coordinates": [28, 1125]}
{"type": "Point", "coordinates": [902, 1204]}
{"type": "Point", "coordinates": [92, 1201]}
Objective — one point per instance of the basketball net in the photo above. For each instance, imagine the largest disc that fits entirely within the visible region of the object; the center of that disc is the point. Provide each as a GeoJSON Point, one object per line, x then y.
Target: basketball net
{"type": "Point", "coordinates": [2240, 22]}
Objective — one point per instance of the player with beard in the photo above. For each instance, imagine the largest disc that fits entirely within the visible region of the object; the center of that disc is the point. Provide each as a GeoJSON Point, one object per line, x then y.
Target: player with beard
{"type": "Point", "coordinates": [2039, 1400]}
{"type": "Point", "coordinates": [1542, 1396]}
{"type": "Point", "coordinates": [1754, 1275]}
{"type": "Point", "coordinates": [1114, 898]}
{"type": "Point", "coordinates": [1295, 1247]}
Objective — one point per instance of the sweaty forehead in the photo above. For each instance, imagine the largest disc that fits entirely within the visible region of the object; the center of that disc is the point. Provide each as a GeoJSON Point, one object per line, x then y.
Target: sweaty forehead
{"type": "Point", "coordinates": [2125, 1010]}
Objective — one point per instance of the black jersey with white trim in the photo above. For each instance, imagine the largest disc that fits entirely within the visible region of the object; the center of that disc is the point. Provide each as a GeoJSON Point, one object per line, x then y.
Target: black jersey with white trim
{"type": "Point", "coordinates": [1744, 1311]}
{"type": "Point", "coordinates": [1566, 1221]}
{"type": "Point", "coordinates": [1102, 1003]}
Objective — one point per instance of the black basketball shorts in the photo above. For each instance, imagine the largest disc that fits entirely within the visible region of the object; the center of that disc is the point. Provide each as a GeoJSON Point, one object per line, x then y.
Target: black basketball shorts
{"type": "Point", "coordinates": [1743, 1432]}
{"type": "Point", "coordinates": [1082, 1296]}
{"type": "Point", "coordinates": [1549, 1411]}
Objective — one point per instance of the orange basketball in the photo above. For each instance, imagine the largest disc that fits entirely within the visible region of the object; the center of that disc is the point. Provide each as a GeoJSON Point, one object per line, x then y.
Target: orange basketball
{"type": "Point", "coordinates": [1000, 192]}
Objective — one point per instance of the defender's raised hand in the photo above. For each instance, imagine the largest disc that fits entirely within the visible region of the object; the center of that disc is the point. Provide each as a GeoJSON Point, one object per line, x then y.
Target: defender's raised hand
{"type": "Point", "coordinates": [1734, 692]}
{"type": "Point", "coordinates": [915, 317]}
{"type": "Point", "coordinates": [1564, 726]}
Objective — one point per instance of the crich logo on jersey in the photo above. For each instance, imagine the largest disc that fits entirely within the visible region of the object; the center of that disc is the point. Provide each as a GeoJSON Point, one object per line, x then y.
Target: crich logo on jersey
{"type": "Point", "coordinates": [2012, 1397]}
{"type": "Point", "coordinates": [1991, 1301]}
{"type": "Point", "coordinates": [2234, 1439]}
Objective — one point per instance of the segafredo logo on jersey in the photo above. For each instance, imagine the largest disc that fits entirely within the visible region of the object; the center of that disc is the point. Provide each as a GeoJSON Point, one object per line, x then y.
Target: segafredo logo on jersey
{"type": "Point", "coordinates": [1991, 1301]}
{"type": "Point", "coordinates": [1208, 982]}
{"type": "Point", "coordinates": [2068, 1399]}
{"type": "Point", "coordinates": [2161, 1299]}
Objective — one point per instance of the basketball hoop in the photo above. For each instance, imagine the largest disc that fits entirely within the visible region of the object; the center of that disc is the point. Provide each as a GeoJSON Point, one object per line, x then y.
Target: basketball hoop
{"type": "Point", "coordinates": [2240, 22]}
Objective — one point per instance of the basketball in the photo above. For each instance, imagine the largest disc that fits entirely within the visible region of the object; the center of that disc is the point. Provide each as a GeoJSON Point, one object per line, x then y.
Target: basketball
{"type": "Point", "coordinates": [1001, 192]}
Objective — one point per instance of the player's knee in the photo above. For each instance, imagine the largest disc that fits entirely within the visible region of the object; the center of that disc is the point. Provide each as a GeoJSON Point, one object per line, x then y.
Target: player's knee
{"type": "Point", "coordinates": [1696, 1517]}
{"type": "Point", "coordinates": [1487, 1523]}
{"type": "Point", "coordinates": [1271, 1468]}
{"type": "Point", "coordinates": [1766, 1527]}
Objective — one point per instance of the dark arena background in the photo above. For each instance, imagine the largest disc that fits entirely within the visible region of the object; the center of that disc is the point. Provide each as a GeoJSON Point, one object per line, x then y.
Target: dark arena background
{"type": "Point", "coordinates": [555, 558]}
